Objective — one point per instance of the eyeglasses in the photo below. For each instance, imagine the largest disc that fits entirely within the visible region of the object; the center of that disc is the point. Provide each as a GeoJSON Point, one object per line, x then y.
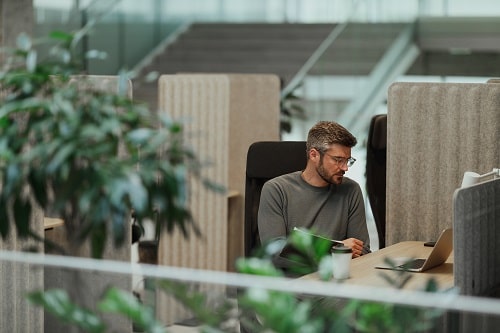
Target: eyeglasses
{"type": "Point", "coordinates": [342, 161]}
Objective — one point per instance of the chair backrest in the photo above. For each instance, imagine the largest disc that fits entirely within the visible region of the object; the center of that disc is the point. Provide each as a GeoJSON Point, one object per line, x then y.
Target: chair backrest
{"type": "Point", "coordinates": [376, 166]}
{"type": "Point", "coordinates": [266, 160]}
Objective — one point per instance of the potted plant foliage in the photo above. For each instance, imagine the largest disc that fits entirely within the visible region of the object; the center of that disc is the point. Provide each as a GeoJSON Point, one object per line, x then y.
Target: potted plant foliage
{"type": "Point", "coordinates": [277, 311]}
{"type": "Point", "coordinates": [87, 155]}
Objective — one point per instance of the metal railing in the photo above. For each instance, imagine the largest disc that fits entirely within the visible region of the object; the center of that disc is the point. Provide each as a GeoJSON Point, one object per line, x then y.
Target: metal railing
{"type": "Point", "coordinates": [449, 309]}
{"type": "Point", "coordinates": [395, 62]}
{"type": "Point", "coordinates": [320, 51]}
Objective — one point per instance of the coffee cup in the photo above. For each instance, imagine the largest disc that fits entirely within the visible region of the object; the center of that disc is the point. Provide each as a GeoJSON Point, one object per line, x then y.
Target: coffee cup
{"type": "Point", "coordinates": [341, 260]}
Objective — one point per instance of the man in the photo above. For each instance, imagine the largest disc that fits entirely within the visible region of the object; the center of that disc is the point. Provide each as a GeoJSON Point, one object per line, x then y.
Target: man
{"type": "Point", "coordinates": [319, 197]}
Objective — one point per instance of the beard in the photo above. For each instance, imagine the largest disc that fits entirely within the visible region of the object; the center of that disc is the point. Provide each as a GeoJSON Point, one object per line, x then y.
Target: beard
{"type": "Point", "coordinates": [335, 178]}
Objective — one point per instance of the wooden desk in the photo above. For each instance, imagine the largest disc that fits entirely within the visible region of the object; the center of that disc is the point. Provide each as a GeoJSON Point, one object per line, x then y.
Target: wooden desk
{"type": "Point", "coordinates": [49, 223]}
{"type": "Point", "coordinates": [363, 271]}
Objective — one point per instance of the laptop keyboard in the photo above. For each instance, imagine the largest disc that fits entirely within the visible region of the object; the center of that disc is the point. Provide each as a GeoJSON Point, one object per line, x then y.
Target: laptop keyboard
{"type": "Point", "coordinates": [416, 263]}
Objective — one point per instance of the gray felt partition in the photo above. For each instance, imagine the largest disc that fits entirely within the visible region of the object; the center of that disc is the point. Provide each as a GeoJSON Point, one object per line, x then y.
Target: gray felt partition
{"type": "Point", "coordinates": [476, 217]}
{"type": "Point", "coordinates": [16, 314]}
{"type": "Point", "coordinates": [476, 268]}
{"type": "Point", "coordinates": [436, 132]}
{"type": "Point", "coordinates": [223, 115]}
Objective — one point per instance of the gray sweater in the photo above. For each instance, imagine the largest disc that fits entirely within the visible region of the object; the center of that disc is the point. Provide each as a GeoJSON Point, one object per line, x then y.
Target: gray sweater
{"type": "Point", "coordinates": [334, 211]}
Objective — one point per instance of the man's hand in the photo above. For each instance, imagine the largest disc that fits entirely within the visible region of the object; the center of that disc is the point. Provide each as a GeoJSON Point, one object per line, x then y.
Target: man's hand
{"type": "Point", "coordinates": [356, 245]}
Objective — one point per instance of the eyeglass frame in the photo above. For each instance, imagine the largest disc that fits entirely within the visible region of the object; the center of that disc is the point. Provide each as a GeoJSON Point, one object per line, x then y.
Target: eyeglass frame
{"type": "Point", "coordinates": [341, 161]}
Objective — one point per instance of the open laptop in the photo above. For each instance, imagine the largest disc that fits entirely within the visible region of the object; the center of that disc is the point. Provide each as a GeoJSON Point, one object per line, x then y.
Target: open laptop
{"type": "Point", "coordinates": [439, 254]}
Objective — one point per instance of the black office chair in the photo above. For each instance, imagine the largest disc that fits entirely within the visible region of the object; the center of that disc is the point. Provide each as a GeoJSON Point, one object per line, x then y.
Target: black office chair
{"type": "Point", "coordinates": [376, 167]}
{"type": "Point", "coordinates": [266, 160]}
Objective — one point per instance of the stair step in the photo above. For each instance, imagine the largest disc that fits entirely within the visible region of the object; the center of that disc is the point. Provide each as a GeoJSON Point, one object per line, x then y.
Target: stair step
{"type": "Point", "coordinates": [281, 49]}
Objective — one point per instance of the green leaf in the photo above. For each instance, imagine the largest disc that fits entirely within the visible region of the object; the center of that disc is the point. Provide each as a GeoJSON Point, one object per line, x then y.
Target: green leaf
{"type": "Point", "coordinates": [123, 83]}
{"type": "Point", "coordinates": [121, 302]}
{"type": "Point", "coordinates": [61, 36]}
{"type": "Point", "coordinates": [38, 187]}
{"type": "Point", "coordinates": [24, 42]}
{"type": "Point", "coordinates": [22, 215]}
{"type": "Point", "coordinates": [98, 239]}
{"type": "Point", "coordinates": [325, 268]}
{"type": "Point", "coordinates": [57, 302]}
{"type": "Point", "coordinates": [197, 302]}
{"type": "Point", "coordinates": [118, 222]}
{"type": "Point", "coordinates": [4, 122]}
{"type": "Point", "coordinates": [12, 180]}
{"type": "Point", "coordinates": [281, 311]}
{"type": "Point", "coordinates": [152, 76]}
{"type": "Point", "coordinates": [31, 61]}
{"type": "Point", "coordinates": [96, 54]}
{"type": "Point", "coordinates": [140, 136]}
{"type": "Point", "coordinates": [4, 220]}
{"type": "Point", "coordinates": [61, 156]}
{"type": "Point", "coordinates": [62, 54]}
{"type": "Point", "coordinates": [21, 106]}
{"type": "Point", "coordinates": [257, 266]}
{"type": "Point", "coordinates": [138, 194]}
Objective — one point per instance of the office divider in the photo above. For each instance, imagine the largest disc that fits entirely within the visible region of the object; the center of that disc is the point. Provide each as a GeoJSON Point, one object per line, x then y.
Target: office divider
{"type": "Point", "coordinates": [436, 132]}
{"type": "Point", "coordinates": [223, 115]}
{"type": "Point", "coordinates": [476, 269]}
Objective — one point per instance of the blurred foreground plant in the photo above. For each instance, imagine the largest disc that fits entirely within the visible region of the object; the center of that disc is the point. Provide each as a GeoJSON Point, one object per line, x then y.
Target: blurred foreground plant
{"type": "Point", "coordinates": [83, 153]}
{"type": "Point", "coordinates": [286, 312]}
{"type": "Point", "coordinates": [256, 309]}
{"type": "Point", "coordinates": [58, 303]}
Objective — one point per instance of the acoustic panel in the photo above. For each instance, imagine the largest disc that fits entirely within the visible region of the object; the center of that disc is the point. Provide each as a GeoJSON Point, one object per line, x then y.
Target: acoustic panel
{"type": "Point", "coordinates": [202, 105]}
{"type": "Point", "coordinates": [222, 115]}
{"type": "Point", "coordinates": [476, 267]}
{"type": "Point", "coordinates": [476, 212]}
{"type": "Point", "coordinates": [436, 132]}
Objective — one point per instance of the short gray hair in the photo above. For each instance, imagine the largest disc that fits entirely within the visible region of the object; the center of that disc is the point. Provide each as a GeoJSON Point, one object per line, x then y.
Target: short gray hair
{"type": "Point", "coordinates": [325, 133]}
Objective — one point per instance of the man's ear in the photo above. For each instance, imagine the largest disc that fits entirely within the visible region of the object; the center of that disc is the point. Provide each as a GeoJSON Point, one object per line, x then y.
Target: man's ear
{"type": "Point", "coordinates": [314, 154]}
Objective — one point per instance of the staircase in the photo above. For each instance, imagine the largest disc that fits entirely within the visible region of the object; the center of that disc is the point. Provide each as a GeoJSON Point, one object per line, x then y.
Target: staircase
{"type": "Point", "coordinates": [358, 49]}
{"type": "Point", "coordinates": [281, 49]}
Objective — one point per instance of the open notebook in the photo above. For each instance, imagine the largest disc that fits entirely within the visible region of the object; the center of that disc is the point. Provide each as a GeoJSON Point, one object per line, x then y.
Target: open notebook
{"type": "Point", "coordinates": [440, 252]}
{"type": "Point", "coordinates": [289, 248]}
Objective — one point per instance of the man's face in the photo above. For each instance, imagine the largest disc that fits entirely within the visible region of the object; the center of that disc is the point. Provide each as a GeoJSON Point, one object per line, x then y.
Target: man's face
{"type": "Point", "coordinates": [332, 164]}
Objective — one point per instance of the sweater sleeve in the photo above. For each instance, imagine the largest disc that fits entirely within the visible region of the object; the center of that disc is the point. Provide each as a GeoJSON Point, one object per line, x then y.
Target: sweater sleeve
{"type": "Point", "coordinates": [271, 221]}
{"type": "Point", "coordinates": [357, 227]}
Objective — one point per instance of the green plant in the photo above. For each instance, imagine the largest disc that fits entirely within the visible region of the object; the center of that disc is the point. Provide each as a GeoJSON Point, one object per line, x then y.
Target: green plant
{"type": "Point", "coordinates": [87, 155]}
{"type": "Point", "coordinates": [257, 309]}
{"type": "Point", "coordinates": [308, 253]}
{"type": "Point", "coordinates": [58, 303]}
{"type": "Point", "coordinates": [285, 312]}
{"type": "Point", "coordinates": [291, 108]}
